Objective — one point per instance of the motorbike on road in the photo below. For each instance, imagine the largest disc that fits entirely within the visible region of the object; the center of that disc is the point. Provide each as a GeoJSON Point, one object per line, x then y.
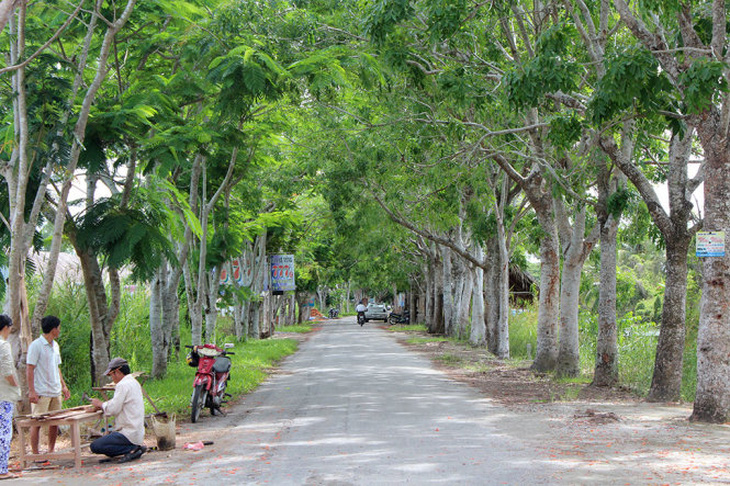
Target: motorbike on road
{"type": "Point", "coordinates": [211, 377]}
{"type": "Point", "coordinates": [361, 318]}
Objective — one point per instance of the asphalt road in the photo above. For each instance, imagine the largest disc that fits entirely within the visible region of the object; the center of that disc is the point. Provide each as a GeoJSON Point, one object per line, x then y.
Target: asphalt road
{"type": "Point", "coordinates": [351, 407]}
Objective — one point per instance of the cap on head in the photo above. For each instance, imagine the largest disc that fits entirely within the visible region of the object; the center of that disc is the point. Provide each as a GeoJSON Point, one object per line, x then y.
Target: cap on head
{"type": "Point", "coordinates": [114, 364]}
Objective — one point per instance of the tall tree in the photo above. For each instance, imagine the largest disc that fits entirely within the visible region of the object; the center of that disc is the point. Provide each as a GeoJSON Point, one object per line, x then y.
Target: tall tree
{"type": "Point", "coordinates": [60, 145]}
{"type": "Point", "coordinates": [695, 65]}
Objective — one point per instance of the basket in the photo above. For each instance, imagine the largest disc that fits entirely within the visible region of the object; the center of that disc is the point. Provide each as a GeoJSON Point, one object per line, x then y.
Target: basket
{"type": "Point", "coordinates": [164, 428]}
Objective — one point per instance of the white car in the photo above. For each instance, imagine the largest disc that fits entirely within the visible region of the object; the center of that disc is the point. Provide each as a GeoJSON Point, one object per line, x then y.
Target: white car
{"type": "Point", "coordinates": [376, 312]}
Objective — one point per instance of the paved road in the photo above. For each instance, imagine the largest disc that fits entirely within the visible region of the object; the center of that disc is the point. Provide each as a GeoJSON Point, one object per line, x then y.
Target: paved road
{"type": "Point", "coordinates": [352, 407]}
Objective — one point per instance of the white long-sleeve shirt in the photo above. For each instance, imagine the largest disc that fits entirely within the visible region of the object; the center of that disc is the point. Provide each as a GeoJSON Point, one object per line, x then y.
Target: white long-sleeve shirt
{"type": "Point", "coordinates": [127, 406]}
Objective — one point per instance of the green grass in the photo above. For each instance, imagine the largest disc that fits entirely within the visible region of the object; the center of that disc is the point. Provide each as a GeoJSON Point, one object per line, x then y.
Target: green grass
{"type": "Point", "coordinates": [249, 368]}
{"type": "Point", "coordinates": [298, 328]}
{"type": "Point", "coordinates": [523, 333]}
{"type": "Point", "coordinates": [422, 340]}
{"type": "Point", "coordinates": [407, 327]}
{"type": "Point", "coordinates": [450, 359]}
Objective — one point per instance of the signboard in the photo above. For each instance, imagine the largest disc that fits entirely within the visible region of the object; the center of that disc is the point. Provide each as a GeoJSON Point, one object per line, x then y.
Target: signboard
{"type": "Point", "coordinates": [236, 272]}
{"type": "Point", "coordinates": [710, 244]}
{"type": "Point", "coordinates": [282, 273]}
{"type": "Point", "coordinates": [225, 274]}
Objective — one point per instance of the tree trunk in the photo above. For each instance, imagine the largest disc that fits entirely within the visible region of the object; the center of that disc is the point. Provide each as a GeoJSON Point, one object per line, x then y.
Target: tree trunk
{"type": "Point", "coordinates": [501, 329]}
{"type": "Point", "coordinates": [447, 286]}
{"type": "Point", "coordinates": [568, 364]}
{"type": "Point", "coordinates": [478, 335]}
{"type": "Point", "coordinates": [436, 326]}
{"type": "Point", "coordinates": [171, 316]}
{"type": "Point", "coordinates": [291, 310]}
{"type": "Point", "coordinates": [606, 371]}
{"type": "Point", "coordinates": [465, 304]}
{"type": "Point", "coordinates": [666, 381]}
{"type": "Point", "coordinates": [578, 247]}
{"type": "Point", "coordinates": [462, 296]}
{"type": "Point", "coordinates": [160, 339]}
{"type": "Point", "coordinates": [428, 303]}
{"type": "Point", "coordinates": [240, 318]}
{"type": "Point", "coordinates": [712, 402]}
{"type": "Point", "coordinates": [546, 354]}
{"type": "Point", "coordinates": [491, 293]}
{"type": "Point", "coordinates": [100, 328]}
{"type": "Point", "coordinates": [211, 307]}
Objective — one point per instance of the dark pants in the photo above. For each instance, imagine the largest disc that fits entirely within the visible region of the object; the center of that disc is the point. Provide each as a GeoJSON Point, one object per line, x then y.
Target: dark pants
{"type": "Point", "coordinates": [114, 444]}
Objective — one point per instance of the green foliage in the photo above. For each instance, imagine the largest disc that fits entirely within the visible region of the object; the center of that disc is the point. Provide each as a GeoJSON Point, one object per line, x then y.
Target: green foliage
{"type": "Point", "coordinates": [619, 201]}
{"type": "Point", "coordinates": [245, 74]}
{"type": "Point", "coordinates": [383, 17]}
{"type": "Point", "coordinates": [633, 82]}
{"type": "Point", "coordinates": [703, 81]}
{"type": "Point", "coordinates": [445, 17]}
{"type": "Point", "coordinates": [126, 235]}
{"type": "Point", "coordinates": [551, 69]}
{"type": "Point", "coordinates": [565, 130]}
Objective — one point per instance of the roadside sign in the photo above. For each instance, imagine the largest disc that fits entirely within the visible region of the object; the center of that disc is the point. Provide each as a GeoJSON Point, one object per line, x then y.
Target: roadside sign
{"type": "Point", "coordinates": [282, 273]}
{"type": "Point", "coordinates": [710, 244]}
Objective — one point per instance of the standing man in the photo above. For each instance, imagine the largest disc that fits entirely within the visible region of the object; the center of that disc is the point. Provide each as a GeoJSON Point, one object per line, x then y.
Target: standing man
{"type": "Point", "coordinates": [127, 407]}
{"type": "Point", "coordinates": [46, 387]}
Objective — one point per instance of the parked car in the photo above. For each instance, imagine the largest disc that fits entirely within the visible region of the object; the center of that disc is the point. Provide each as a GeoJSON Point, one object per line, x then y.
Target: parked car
{"type": "Point", "coordinates": [376, 312]}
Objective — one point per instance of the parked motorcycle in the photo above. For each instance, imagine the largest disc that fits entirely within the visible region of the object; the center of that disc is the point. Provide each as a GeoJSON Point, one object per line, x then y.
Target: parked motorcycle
{"type": "Point", "coordinates": [334, 312]}
{"type": "Point", "coordinates": [404, 318]}
{"type": "Point", "coordinates": [211, 377]}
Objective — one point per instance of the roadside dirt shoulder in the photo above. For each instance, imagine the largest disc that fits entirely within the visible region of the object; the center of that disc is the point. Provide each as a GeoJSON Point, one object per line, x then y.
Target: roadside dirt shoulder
{"type": "Point", "coordinates": [602, 435]}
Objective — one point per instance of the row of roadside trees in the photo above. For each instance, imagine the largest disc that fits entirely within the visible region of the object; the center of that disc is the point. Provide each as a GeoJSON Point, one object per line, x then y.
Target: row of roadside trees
{"type": "Point", "coordinates": [432, 144]}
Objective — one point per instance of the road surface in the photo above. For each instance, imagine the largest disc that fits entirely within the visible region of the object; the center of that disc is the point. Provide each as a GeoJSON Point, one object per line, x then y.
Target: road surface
{"type": "Point", "coordinates": [354, 407]}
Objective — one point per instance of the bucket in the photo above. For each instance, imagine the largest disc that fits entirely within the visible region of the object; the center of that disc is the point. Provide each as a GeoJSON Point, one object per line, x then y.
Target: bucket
{"type": "Point", "coordinates": [164, 428]}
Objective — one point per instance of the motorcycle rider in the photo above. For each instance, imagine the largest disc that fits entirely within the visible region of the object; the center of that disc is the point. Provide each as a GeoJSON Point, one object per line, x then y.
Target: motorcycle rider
{"type": "Point", "coordinates": [128, 408]}
{"type": "Point", "coordinates": [360, 309]}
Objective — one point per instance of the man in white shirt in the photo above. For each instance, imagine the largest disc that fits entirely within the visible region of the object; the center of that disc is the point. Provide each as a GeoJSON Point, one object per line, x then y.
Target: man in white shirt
{"type": "Point", "coordinates": [127, 407]}
{"type": "Point", "coordinates": [360, 309]}
{"type": "Point", "coordinates": [46, 388]}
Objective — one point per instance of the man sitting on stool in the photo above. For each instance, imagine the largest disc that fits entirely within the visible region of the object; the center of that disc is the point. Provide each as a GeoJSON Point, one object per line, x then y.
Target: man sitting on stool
{"type": "Point", "coordinates": [128, 408]}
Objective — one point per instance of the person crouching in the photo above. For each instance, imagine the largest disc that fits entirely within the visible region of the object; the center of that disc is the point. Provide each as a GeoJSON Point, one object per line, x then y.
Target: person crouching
{"type": "Point", "coordinates": [127, 406]}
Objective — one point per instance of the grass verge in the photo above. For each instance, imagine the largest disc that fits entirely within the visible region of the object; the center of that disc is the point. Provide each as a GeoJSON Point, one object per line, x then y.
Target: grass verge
{"type": "Point", "coordinates": [250, 364]}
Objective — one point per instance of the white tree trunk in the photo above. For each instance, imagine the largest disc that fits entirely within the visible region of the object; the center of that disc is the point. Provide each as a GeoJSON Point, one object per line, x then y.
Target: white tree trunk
{"type": "Point", "coordinates": [712, 402]}
{"type": "Point", "coordinates": [211, 307]}
{"type": "Point", "coordinates": [546, 354]}
{"type": "Point", "coordinates": [159, 338]}
{"type": "Point", "coordinates": [501, 338]}
{"type": "Point", "coordinates": [447, 292]}
{"type": "Point", "coordinates": [478, 334]}
{"type": "Point", "coordinates": [577, 250]}
{"type": "Point", "coordinates": [606, 372]}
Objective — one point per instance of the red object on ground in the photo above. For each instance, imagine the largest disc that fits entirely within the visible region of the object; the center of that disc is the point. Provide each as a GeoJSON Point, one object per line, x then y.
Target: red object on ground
{"type": "Point", "coordinates": [194, 446]}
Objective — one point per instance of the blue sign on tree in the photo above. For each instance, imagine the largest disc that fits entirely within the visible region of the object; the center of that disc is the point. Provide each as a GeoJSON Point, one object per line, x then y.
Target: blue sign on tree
{"type": "Point", "coordinates": [282, 273]}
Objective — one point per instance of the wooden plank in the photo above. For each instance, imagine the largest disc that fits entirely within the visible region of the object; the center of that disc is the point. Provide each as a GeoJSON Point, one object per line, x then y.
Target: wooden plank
{"type": "Point", "coordinates": [55, 412]}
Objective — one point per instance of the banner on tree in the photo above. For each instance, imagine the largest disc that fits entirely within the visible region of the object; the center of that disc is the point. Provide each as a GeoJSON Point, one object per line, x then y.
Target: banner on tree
{"type": "Point", "coordinates": [282, 273]}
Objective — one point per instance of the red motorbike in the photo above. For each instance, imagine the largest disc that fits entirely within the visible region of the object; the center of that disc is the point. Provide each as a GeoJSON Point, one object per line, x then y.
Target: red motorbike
{"type": "Point", "coordinates": [211, 377]}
